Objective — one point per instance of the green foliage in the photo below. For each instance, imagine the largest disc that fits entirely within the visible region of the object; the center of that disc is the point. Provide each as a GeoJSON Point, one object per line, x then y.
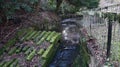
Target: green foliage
{"type": "Point", "coordinates": [33, 1]}
{"type": "Point", "coordinates": [9, 8]}
{"type": "Point", "coordinates": [72, 6]}
{"type": "Point", "coordinates": [115, 55]}
{"type": "Point", "coordinates": [118, 18]}
{"type": "Point", "coordinates": [67, 8]}
{"type": "Point", "coordinates": [111, 16]}
{"type": "Point", "coordinates": [26, 7]}
{"type": "Point", "coordinates": [0, 20]}
{"type": "Point", "coordinates": [85, 3]}
{"type": "Point", "coordinates": [48, 4]}
{"type": "Point", "coordinates": [51, 4]}
{"type": "Point", "coordinates": [83, 58]}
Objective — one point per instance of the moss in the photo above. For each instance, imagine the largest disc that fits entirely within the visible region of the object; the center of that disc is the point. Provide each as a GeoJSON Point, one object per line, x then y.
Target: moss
{"type": "Point", "coordinates": [11, 42]}
{"type": "Point", "coordinates": [50, 56]}
{"type": "Point", "coordinates": [83, 58]}
{"type": "Point", "coordinates": [45, 36]}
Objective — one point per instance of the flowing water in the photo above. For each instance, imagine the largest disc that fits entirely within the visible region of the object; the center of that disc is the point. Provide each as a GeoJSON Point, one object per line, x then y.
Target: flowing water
{"type": "Point", "coordinates": [69, 47]}
{"type": "Point", "coordinates": [96, 27]}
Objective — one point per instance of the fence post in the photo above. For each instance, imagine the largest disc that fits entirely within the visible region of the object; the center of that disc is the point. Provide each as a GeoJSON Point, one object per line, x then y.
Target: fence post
{"type": "Point", "coordinates": [109, 38]}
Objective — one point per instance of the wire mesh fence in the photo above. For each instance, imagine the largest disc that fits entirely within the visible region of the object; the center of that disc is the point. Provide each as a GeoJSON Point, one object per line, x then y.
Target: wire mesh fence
{"type": "Point", "coordinates": [97, 27]}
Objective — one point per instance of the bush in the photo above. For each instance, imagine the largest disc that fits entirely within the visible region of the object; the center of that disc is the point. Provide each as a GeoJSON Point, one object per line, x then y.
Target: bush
{"type": "Point", "coordinates": [9, 8]}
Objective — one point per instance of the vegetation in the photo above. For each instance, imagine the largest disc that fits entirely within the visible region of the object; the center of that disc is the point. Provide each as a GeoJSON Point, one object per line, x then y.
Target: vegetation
{"type": "Point", "coordinates": [42, 44]}
{"type": "Point", "coordinates": [44, 51]}
{"type": "Point", "coordinates": [115, 55]}
{"type": "Point", "coordinates": [13, 7]}
{"type": "Point", "coordinates": [74, 5]}
{"type": "Point", "coordinates": [111, 16]}
{"type": "Point", "coordinates": [9, 9]}
{"type": "Point", "coordinates": [83, 59]}
{"type": "Point", "coordinates": [85, 3]}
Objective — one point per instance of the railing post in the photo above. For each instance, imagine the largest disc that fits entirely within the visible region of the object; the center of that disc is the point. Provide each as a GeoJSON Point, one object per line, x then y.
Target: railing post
{"type": "Point", "coordinates": [109, 38]}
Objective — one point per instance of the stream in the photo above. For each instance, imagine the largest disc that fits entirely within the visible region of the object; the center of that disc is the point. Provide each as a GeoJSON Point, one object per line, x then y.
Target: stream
{"type": "Point", "coordinates": [69, 47]}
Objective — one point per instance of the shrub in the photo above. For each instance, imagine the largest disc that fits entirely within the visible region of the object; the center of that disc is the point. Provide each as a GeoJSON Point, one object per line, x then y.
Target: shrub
{"type": "Point", "coordinates": [10, 8]}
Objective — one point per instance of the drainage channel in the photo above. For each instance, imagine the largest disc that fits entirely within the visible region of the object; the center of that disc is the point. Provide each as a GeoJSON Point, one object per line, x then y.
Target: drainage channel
{"type": "Point", "coordinates": [69, 46]}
